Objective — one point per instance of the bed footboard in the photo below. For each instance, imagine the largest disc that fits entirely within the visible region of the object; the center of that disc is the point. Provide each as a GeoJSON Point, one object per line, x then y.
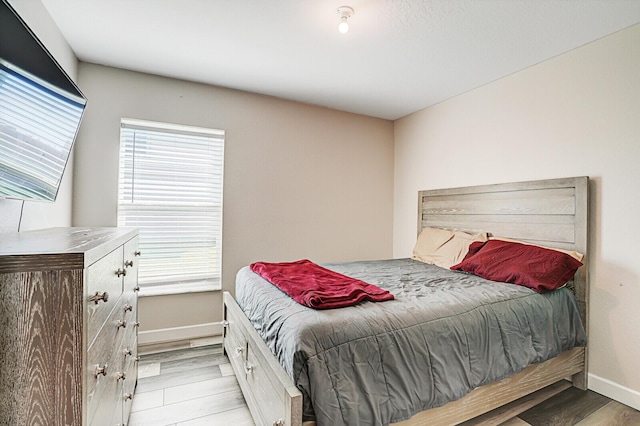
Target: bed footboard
{"type": "Point", "coordinates": [270, 394]}
{"type": "Point", "coordinates": [488, 397]}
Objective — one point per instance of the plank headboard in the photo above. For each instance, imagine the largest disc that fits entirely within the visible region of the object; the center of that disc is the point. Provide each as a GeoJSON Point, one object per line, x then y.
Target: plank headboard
{"type": "Point", "coordinates": [552, 213]}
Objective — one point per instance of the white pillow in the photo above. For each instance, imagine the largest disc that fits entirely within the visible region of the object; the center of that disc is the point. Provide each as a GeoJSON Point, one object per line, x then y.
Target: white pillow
{"type": "Point", "coordinates": [443, 247]}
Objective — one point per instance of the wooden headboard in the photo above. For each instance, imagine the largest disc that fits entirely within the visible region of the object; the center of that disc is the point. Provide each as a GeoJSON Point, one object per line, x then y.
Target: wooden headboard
{"type": "Point", "coordinates": [552, 213]}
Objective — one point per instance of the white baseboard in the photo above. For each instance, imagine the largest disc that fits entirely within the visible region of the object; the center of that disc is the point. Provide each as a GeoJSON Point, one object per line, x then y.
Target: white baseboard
{"type": "Point", "coordinates": [173, 334]}
{"type": "Point", "coordinates": [615, 391]}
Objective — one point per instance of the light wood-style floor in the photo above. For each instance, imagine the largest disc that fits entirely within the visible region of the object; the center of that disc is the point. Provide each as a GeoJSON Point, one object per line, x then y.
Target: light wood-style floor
{"type": "Point", "coordinates": [196, 386]}
{"type": "Point", "coordinates": [188, 387]}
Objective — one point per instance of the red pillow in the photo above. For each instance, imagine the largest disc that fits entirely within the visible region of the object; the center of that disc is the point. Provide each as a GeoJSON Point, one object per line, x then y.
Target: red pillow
{"type": "Point", "coordinates": [535, 267]}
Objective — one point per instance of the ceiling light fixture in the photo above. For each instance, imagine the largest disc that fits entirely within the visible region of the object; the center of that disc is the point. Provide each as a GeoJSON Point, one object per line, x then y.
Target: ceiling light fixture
{"type": "Point", "coordinates": [344, 12]}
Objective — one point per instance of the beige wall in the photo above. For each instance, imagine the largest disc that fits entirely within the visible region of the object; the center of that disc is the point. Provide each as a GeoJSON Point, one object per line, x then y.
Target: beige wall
{"type": "Point", "coordinates": [577, 114]}
{"type": "Point", "coordinates": [36, 215]}
{"type": "Point", "coordinates": [300, 181]}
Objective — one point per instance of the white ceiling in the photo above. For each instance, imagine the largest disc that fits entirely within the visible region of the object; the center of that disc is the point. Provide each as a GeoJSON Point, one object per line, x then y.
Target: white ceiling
{"type": "Point", "coordinates": [399, 56]}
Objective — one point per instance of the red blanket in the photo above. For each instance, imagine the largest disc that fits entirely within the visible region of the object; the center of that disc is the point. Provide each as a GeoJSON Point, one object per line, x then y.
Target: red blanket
{"type": "Point", "coordinates": [316, 287]}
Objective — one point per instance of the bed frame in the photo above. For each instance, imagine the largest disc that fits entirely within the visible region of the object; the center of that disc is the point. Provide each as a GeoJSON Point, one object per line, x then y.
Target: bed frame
{"type": "Point", "coordinates": [552, 213]}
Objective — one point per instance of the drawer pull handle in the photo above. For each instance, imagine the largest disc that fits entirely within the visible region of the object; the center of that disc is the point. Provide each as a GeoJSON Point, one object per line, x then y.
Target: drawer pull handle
{"type": "Point", "coordinates": [126, 351]}
{"type": "Point", "coordinates": [127, 307]}
{"type": "Point", "coordinates": [100, 370]}
{"type": "Point", "coordinates": [98, 297]}
{"type": "Point", "coordinates": [120, 376]}
{"type": "Point", "coordinates": [136, 359]}
{"type": "Point", "coordinates": [136, 288]}
{"type": "Point", "coordinates": [128, 263]}
{"type": "Point", "coordinates": [136, 324]}
{"type": "Point", "coordinates": [120, 272]}
{"type": "Point", "coordinates": [239, 351]}
{"type": "Point", "coordinates": [137, 253]}
{"type": "Point", "coordinates": [127, 396]}
{"type": "Point", "coordinates": [248, 367]}
{"type": "Point", "coordinates": [121, 324]}
{"type": "Point", "coordinates": [278, 422]}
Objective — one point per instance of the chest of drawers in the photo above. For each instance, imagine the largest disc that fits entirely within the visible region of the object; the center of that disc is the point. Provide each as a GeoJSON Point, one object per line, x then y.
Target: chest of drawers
{"type": "Point", "coordinates": [68, 326]}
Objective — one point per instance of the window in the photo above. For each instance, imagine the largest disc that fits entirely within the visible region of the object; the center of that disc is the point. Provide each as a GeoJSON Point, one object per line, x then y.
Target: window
{"type": "Point", "coordinates": [170, 188]}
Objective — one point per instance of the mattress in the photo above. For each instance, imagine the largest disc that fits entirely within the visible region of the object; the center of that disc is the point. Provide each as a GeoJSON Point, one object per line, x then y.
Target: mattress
{"type": "Point", "coordinates": [443, 335]}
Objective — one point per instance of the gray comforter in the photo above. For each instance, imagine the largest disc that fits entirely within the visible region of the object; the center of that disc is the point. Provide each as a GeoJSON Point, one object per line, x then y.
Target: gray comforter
{"type": "Point", "coordinates": [378, 363]}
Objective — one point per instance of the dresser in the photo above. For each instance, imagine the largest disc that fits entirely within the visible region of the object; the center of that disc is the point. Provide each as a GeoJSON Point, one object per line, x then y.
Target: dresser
{"type": "Point", "coordinates": [68, 326]}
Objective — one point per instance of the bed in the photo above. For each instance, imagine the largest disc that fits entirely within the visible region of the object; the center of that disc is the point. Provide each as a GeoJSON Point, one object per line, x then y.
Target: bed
{"type": "Point", "coordinates": [552, 213]}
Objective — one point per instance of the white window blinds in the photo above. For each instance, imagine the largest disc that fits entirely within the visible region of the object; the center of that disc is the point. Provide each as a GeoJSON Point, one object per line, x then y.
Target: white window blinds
{"type": "Point", "coordinates": [170, 188]}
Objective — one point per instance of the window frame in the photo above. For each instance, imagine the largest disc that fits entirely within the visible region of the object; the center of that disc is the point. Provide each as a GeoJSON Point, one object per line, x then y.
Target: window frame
{"type": "Point", "coordinates": [214, 208]}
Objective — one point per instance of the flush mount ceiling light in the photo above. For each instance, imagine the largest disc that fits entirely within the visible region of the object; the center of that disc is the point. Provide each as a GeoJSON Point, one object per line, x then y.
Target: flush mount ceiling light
{"type": "Point", "coordinates": [344, 13]}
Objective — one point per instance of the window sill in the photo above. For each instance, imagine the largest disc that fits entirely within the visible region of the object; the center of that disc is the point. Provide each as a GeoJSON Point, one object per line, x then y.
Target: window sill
{"type": "Point", "coordinates": [164, 290]}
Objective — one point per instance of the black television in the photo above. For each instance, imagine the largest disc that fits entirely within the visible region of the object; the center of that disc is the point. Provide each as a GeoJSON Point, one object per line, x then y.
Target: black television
{"type": "Point", "coordinates": [40, 113]}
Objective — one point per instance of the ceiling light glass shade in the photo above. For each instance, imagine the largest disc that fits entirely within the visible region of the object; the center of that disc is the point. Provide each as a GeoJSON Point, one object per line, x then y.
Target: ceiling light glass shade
{"type": "Point", "coordinates": [343, 26]}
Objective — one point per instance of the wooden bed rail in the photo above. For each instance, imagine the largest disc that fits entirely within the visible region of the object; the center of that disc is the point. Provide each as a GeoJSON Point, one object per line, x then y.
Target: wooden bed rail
{"type": "Point", "coordinates": [271, 396]}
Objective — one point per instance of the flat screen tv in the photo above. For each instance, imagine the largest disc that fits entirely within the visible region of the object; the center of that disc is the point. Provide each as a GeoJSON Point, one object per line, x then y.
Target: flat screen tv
{"type": "Point", "coordinates": [40, 113]}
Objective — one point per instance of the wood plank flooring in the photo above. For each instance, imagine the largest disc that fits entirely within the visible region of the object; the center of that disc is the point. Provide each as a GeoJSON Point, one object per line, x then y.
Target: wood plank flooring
{"type": "Point", "coordinates": [196, 387]}
{"type": "Point", "coordinates": [188, 387]}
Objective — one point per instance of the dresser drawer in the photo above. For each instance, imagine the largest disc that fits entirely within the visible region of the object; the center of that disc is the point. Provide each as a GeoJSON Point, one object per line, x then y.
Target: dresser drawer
{"type": "Point", "coordinates": [106, 352]}
{"type": "Point", "coordinates": [131, 260]}
{"type": "Point", "coordinates": [116, 419]}
{"type": "Point", "coordinates": [129, 310]}
{"type": "Point", "coordinates": [106, 401]}
{"type": "Point", "coordinates": [130, 349]}
{"type": "Point", "coordinates": [104, 276]}
{"type": "Point", "coordinates": [131, 369]}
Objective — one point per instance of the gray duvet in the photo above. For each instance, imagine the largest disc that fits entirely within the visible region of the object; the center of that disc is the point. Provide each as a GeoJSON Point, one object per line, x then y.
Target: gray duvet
{"type": "Point", "coordinates": [444, 334]}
